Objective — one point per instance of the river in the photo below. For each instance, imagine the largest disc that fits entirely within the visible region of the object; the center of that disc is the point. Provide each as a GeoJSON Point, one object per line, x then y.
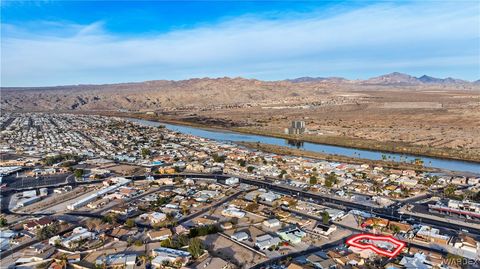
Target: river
{"type": "Point", "coordinates": [453, 165]}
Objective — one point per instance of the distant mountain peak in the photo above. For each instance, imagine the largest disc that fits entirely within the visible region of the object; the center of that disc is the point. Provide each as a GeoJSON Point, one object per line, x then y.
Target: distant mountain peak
{"type": "Point", "coordinates": [392, 78]}
{"type": "Point", "coordinates": [397, 78]}
{"type": "Point", "coordinates": [318, 79]}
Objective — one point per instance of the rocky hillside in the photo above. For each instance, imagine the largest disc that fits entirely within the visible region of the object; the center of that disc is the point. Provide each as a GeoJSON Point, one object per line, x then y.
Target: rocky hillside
{"type": "Point", "coordinates": [205, 93]}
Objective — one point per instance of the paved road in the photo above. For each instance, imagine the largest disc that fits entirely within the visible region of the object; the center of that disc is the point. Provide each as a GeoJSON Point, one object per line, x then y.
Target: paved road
{"type": "Point", "coordinates": [388, 213]}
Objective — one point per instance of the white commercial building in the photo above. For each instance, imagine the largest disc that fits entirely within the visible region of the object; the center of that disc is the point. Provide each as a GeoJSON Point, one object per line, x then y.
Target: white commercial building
{"type": "Point", "coordinates": [82, 202]}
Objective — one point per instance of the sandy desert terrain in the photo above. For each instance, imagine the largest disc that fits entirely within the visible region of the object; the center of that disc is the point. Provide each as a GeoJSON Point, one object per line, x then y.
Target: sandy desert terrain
{"type": "Point", "coordinates": [394, 112]}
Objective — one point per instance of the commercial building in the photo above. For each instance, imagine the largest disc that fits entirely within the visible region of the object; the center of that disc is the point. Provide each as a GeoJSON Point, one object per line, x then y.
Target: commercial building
{"type": "Point", "coordinates": [83, 202]}
{"type": "Point", "coordinates": [296, 128]}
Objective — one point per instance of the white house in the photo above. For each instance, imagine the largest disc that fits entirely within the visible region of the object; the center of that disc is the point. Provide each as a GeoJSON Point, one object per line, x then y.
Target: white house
{"type": "Point", "coordinates": [265, 241]}
{"type": "Point", "coordinates": [240, 236]}
{"type": "Point", "coordinates": [232, 181]}
{"type": "Point", "coordinates": [162, 255]}
{"type": "Point", "coordinates": [271, 223]}
{"type": "Point", "coordinates": [233, 212]}
{"type": "Point", "coordinates": [324, 230]}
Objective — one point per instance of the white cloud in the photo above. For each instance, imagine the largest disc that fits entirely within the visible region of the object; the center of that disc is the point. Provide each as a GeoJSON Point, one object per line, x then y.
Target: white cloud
{"type": "Point", "coordinates": [443, 38]}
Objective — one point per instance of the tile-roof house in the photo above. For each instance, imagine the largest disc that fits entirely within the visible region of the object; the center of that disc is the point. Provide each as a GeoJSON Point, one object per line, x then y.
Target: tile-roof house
{"type": "Point", "coordinates": [38, 223]}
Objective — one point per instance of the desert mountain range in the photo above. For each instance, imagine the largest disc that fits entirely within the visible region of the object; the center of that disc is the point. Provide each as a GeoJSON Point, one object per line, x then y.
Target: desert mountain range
{"type": "Point", "coordinates": [207, 92]}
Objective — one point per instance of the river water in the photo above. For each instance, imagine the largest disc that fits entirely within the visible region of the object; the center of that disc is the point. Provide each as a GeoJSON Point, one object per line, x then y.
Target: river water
{"type": "Point", "coordinates": [453, 165]}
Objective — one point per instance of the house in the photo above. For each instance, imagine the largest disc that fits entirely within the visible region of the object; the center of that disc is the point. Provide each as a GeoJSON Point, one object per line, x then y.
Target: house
{"type": "Point", "coordinates": [120, 232]}
{"type": "Point", "coordinates": [233, 212]}
{"type": "Point", "coordinates": [271, 223]}
{"type": "Point", "coordinates": [293, 235]}
{"type": "Point", "coordinates": [232, 181]}
{"type": "Point", "coordinates": [374, 223]}
{"type": "Point", "coordinates": [431, 235]}
{"type": "Point", "coordinates": [240, 236]}
{"type": "Point", "coordinates": [117, 260]}
{"type": "Point", "coordinates": [204, 220]}
{"type": "Point", "coordinates": [180, 229]}
{"type": "Point", "coordinates": [350, 259]}
{"type": "Point", "coordinates": [160, 235]}
{"type": "Point", "coordinates": [5, 237]}
{"type": "Point", "coordinates": [162, 255]}
{"type": "Point", "coordinates": [407, 181]}
{"type": "Point", "coordinates": [325, 230]}
{"type": "Point", "coordinates": [188, 181]}
{"type": "Point", "coordinates": [78, 235]}
{"type": "Point", "coordinates": [38, 223]}
{"type": "Point", "coordinates": [213, 263]}
{"type": "Point", "coordinates": [71, 258]}
{"type": "Point", "coordinates": [296, 266]}
{"type": "Point", "coordinates": [268, 196]}
{"type": "Point", "coordinates": [128, 192]}
{"type": "Point", "coordinates": [321, 262]}
{"type": "Point", "coordinates": [400, 226]}
{"type": "Point", "coordinates": [226, 225]}
{"type": "Point", "coordinates": [335, 214]}
{"type": "Point", "coordinates": [156, 217]}
{"type": "Point", "coordinates": [120, 209]}
{"type": "Point", "coordinates": [466, 243]}
{"type": "Point", "coordinates": [165, 181]}
{"type": "Point", "coordinates": [417, 261]}
{"type": "Point", "coordinates": [266, 241]}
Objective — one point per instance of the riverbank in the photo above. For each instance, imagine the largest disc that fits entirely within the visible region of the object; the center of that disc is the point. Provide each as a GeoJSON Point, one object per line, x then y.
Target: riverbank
{"type": "Point", "coordinates": [355, 143]}
{"type": "Point", "coordinates": [281, 150]}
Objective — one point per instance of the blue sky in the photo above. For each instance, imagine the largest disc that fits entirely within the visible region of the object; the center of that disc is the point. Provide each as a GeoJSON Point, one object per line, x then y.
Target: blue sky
{"type": "Point", "coordinates": [81, 42]}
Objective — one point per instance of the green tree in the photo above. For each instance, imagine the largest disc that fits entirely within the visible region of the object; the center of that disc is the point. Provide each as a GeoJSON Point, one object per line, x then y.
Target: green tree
{"type": "Point", "coordinates": [313, 180]}
{"type": "Point", "coordinates": [145, 152]}
{"type": "Point", "coordinates": [111, 218]}
{"type": "Point", "coordinates": [78, 173]}
{"type": "Point", "coordinates": [203, 230]}
{"type": "Point", "coordinates": [395, 229]}
{"type": "Point", "coordinates": [242, 162]}
{"type": "Point", "coordinates": [195, 247]}
{"type": "Point", "coordinates": [250, 169]}
{"type": "Point", "coordinates": [449, 191]}
{"type": "Point", "coordinates": [130, 223]}
{"type": "Point", "coordinates": [3, 222]}
{"type": "Point", "coordinates": [219, 158]}
{"type": "Point", "coordinates": [325, 217]}
{"type": "Point", "coordinates": [330, 180]}
{"type": "Point", "coordinates": [47, 231]}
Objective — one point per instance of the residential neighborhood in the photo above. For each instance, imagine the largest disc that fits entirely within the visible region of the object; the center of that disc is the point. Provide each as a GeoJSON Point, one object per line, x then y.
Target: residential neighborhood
{"type": "Point", "coordinates": [83, 191]}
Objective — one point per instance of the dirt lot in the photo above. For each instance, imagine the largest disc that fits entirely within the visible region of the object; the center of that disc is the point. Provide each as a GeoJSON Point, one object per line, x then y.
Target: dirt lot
{"type": "Point", "coordinates": [228, 250]}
